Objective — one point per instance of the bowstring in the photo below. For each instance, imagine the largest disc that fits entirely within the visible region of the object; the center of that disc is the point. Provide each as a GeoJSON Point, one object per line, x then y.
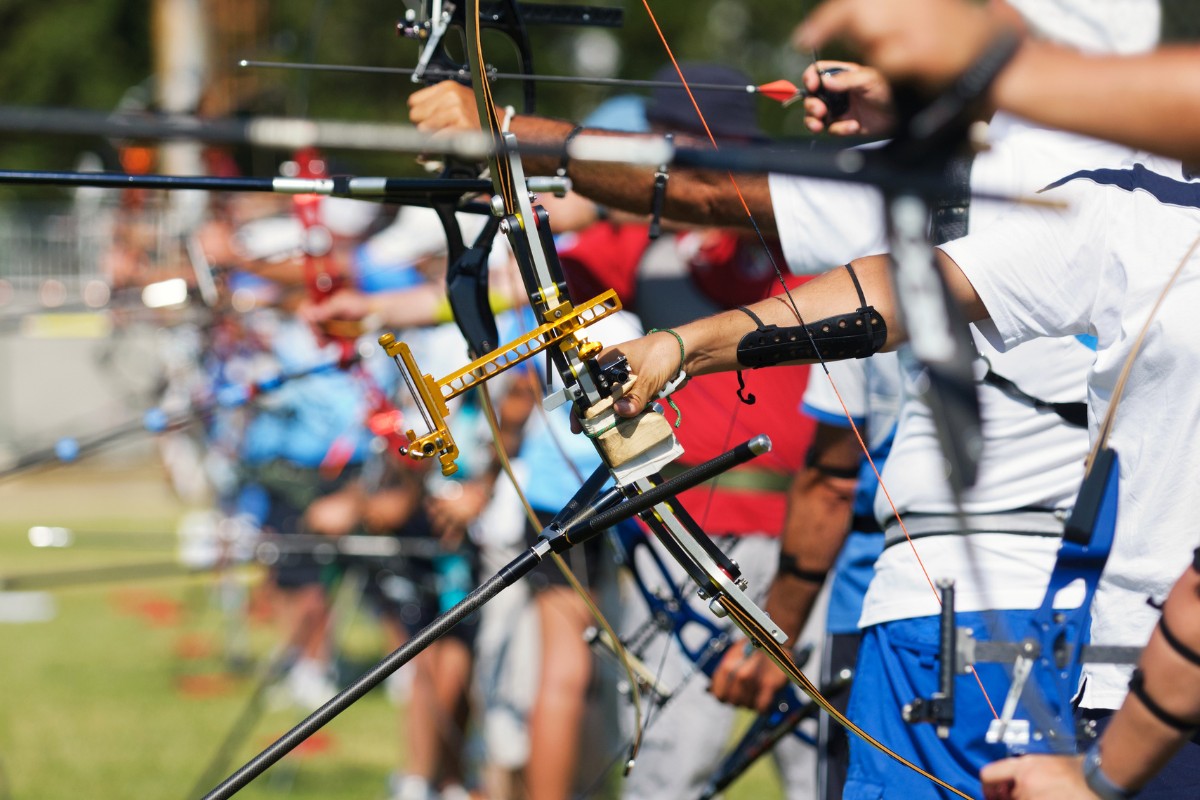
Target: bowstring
{"type": "Point", "coordinates": [832, 383]}
{"type": "Point", "coordinates": [1119, 387]}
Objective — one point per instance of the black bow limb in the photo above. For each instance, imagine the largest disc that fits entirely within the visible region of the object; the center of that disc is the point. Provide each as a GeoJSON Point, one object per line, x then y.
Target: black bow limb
{"type": "Point", "coordinates": [929, 137]}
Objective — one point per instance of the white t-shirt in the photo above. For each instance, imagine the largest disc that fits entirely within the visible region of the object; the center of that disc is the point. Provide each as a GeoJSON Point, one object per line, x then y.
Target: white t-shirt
{"type": "Point", "coordinates": [825, 223]}
{"type": "Point", "coordinates": [1030, 458]}
{"type": "Point", "coordinates": [1107, 26]}
{"type": "Point", "coordinates": [1098, 268]}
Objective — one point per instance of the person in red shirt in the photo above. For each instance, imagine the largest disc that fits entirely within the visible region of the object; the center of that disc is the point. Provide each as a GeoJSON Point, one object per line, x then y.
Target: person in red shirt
{"type": "Point", "coordinates": [681, 276]}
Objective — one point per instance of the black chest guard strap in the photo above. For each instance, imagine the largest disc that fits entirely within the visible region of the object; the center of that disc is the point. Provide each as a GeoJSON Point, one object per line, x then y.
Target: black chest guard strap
{"type": "Point", "coordinates": [858, 334]}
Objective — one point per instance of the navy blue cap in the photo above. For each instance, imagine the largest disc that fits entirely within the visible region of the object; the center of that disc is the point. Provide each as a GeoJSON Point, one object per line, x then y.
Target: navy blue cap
{"type": "Point", "coordinates": [732, 116]}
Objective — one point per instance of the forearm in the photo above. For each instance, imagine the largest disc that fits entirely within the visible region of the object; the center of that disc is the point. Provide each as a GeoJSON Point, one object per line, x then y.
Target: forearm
{"type": "Point", "coordinates": [711, 344]}
{"type": "Point", "coordinates": [1121, 98]}
{"type": "Point", "coordinates": [417, 306]}
{"type": "Point", "coordinates": [1137, 743]}
{"type": "Point", "coordinates": [692, 196]}
{"type": "Point", "coordinates": [818, 522]}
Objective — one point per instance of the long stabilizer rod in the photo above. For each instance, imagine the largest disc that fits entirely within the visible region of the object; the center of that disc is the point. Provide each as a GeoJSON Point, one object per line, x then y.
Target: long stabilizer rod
{"type": "Point", "coordinates": [578, 527]}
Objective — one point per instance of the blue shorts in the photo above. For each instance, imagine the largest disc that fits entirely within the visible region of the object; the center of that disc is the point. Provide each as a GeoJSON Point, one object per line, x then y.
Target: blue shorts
{"type": "Point", "coordinates": [897, 662]}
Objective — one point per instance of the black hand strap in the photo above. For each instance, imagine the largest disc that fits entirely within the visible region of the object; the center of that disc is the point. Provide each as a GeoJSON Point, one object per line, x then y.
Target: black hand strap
{"type": "Point", "coordinates": [661, 176]}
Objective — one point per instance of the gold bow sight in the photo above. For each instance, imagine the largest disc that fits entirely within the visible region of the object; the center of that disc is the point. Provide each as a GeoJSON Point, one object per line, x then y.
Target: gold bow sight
{"type": "Point", "coordinates": [561, 328]}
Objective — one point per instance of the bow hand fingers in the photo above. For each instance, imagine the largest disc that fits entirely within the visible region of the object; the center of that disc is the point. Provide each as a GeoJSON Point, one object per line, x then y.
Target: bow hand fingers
{"type": "Point", "coordinates": [445, 106]}
{"type": "Point", "coordinates": [747, 679]}
{"type": "Point", "coordinates": [653, 361]}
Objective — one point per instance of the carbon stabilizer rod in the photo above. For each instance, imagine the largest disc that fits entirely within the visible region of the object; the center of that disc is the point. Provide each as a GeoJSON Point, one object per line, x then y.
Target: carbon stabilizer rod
{"type": "Point", "coordinates": [507, 576]}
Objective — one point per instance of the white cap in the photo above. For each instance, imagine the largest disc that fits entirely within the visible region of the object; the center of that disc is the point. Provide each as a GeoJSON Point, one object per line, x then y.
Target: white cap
{"type": "Point", "coordinates": [270, 238]}
{"type": "Point", "coordinates": [1095, 26]}
{"type": "Point", "coordinates": [279, 237]}
{"type": "Point", "coordinates": [346, 217]}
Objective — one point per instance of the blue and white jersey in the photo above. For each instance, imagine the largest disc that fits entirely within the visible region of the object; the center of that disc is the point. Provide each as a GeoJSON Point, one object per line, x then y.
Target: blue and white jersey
{"type": "Point", "coordinates": [1030, 458]}
{"type": "Point", "coordinates": [1098, 268]}
{"type": "Point", "coordinates": [303, 419]}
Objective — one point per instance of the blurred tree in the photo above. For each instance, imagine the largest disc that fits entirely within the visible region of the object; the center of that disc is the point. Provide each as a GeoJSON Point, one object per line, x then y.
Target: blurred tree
{"type": "Point", "coordinates": [81, 53]}
{"type": "Point", "coordinates": [92, 53]}
{"type": "Point", "coordinates": [1181, 20]}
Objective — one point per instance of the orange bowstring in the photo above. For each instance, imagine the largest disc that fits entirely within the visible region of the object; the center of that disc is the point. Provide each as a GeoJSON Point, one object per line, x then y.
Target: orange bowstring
{"type": "Point", "coordinates": [833, 384]}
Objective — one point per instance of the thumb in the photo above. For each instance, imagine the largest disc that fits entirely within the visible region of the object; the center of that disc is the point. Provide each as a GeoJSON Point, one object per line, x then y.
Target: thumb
{"type": "Point", "coordinates": [631, 403]}
{"type": "Point", "coordinates": [851, 79]}
{"type": "Point", "coordinates": [999, 779]}
{"type": "Point", "coordinates": [822, 24]}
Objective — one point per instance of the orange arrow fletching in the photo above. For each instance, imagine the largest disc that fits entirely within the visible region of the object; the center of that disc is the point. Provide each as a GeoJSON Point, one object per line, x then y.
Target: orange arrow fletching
{"type": "Point", "coordinates": [781, 90]}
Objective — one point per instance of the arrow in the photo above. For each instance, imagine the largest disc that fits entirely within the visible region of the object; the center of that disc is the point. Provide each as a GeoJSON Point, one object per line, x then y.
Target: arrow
{"type": "Point", "coordinates": [782, 91]}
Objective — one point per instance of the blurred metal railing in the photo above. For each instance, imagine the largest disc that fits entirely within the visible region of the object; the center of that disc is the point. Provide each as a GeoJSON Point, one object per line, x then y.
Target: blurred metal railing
{"type": "Point", "coordinates": [70, 256]}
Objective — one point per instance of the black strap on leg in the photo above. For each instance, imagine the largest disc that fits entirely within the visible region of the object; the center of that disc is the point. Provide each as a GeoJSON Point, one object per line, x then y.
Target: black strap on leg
{"type": "Point", "coordinates": [1176, 644]}
{"type": "Point", "coordinates": [1137, 687]}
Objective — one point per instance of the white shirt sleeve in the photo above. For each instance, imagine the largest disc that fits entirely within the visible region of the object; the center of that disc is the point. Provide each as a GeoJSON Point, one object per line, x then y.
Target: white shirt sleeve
{"type": "Point", "coordinates": [1039, 271]}
{"type": "Point", "coordinates": [823, 224]}
{"type": "Point", "coordinates": [821, 401]}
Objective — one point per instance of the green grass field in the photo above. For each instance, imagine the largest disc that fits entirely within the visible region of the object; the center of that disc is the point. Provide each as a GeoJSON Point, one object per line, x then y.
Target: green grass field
{"type": "Point", "coordinates": [116, 697]}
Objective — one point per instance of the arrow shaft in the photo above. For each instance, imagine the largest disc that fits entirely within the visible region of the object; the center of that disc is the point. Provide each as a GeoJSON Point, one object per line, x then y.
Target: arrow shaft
{"type": "Point", "coordinates": [464, 76]}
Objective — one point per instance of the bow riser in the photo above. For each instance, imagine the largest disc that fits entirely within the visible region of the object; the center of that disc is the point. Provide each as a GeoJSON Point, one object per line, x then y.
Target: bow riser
{"type": "Point", "coordinates": [509, 18]}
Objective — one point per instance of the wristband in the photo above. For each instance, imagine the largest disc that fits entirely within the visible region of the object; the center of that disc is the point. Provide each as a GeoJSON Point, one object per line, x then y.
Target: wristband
{"type": "Point", "coordinates": [1099, 783]}
{"type": "Point", "coordinates": [790, 565]}
{"type": "Point", "coordinates": [675, 382]}
{"type": "Point", "coordinates": [566, 154]}
{"type": "Point", "coordinates": [661, 176]}
{"type": "Point", "coordinates": [442, 312]}
{"type": "Point", "coordinates": [680, 376]}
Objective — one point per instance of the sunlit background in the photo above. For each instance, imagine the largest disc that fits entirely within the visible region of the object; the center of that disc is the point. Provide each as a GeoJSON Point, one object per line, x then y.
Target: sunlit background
{"type": "Point", "coordinates": [139, 682]}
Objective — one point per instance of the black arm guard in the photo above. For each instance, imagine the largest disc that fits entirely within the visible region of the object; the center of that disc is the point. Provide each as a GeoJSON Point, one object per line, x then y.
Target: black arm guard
{"type": "Point", "coordinates": [855, 335]}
